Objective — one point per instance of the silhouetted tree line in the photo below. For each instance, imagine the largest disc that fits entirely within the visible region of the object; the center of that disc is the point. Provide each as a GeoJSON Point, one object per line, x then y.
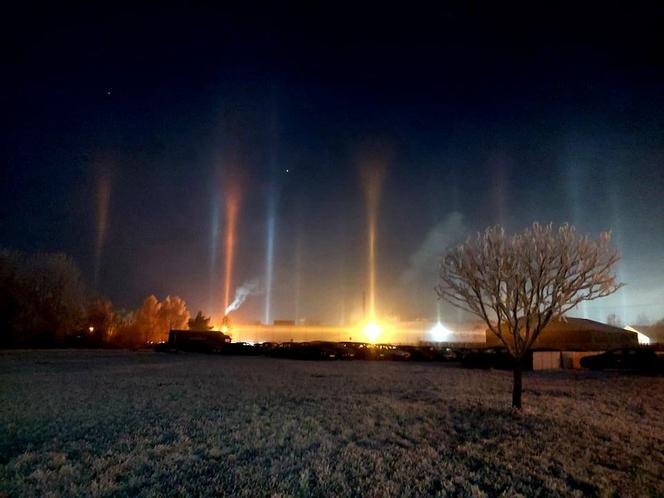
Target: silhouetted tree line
{"type": "Point", "coordinates": [200, 322]}
{"type": "Point", "coordinates": [43, 303]}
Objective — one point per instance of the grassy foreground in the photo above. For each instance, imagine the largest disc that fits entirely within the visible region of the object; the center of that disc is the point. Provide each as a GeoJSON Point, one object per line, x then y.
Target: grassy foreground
{"type": "Point", "coordinates": [99, 423]}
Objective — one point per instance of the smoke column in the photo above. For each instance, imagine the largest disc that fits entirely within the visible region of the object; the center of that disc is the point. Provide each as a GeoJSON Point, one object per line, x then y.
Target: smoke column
{"type": "Point", "coordinates": [241, 293]}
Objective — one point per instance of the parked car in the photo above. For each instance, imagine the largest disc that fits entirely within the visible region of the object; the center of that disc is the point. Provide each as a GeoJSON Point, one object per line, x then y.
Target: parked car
{"type": "Point", "coordinates": [398, 353]}
{"type": "Point", "coordinates": [420, 353]}
{"type": "Point", "coordinates": [204, 341]}
{"type": "Point", "coordinates": [360, 350]}
{"type": "Point", "coordinates": [498, 358]}
{"type": "Point", "coordinates": [447, 354]}
{"type": "Point", "coordinates": [639, 359]}
{"type": "Point", "coordinates": [345, 351]}
{"type": "Point", "coordinates": [239, 349]}
{"type": "Point", "coordinates": [266, 347]}
{"type": "Point", "coordinates": [317, 350]}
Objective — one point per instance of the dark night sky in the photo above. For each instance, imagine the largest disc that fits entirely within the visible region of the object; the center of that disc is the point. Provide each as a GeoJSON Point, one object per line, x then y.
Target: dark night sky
{"type": "Point", "coordinates": [477, 117]}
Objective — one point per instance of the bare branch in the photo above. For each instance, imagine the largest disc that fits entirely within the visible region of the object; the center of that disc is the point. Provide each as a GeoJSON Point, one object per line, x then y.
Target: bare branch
{"type": "Point", "coordinates": [518, 284]}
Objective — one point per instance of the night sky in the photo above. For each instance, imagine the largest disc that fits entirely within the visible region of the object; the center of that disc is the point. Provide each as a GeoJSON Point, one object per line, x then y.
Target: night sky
{"type": "Point", "coordinates": [125, 129]}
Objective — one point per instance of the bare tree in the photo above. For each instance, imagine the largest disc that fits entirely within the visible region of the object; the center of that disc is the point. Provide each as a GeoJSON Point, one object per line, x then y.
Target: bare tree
{"type": "Point", "coordinates": [613, 320]}
{"type": "Point", "coordinates": [518, 284]}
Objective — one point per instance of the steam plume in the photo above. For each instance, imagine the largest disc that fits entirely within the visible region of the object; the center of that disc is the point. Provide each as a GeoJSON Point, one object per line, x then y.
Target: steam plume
{"type": "Point", "coordinates": [241, 293]}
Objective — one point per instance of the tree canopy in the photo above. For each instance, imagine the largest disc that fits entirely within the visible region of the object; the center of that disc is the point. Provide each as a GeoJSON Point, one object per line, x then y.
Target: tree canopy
{"type": "Point", "coordinates": [200, 322]}
{"type": "Point", "coordinates": [517, 284]}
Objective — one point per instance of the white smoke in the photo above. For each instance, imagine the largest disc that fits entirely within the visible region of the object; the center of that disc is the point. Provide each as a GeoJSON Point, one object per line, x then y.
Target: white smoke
{"type": "Point", "coordinates": [247, 289]}
{"type": "Point", "coordinates": [424, 262]}
{"type": "Point", "coordinates": [421, 275]}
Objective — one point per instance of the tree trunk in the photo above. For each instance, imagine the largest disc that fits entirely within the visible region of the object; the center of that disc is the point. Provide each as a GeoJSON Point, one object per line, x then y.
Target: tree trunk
{"type": "Point", "coordinates": [516, 389]}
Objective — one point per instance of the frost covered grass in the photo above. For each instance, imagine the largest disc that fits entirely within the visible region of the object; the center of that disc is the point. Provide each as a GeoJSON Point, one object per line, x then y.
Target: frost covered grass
{"type": "Point", "coordinates": [100, 423]}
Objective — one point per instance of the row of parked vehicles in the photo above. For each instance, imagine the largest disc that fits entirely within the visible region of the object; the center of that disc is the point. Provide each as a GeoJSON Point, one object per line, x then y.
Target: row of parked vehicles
{"type": "Point", "coordinates": [320, 350]}
{"type": "Point", "coordinates": [206, 342]}
{"type": "Point", "coordinates": [639, 359]}
{"type": "Point", "coordinates": [642, 359]}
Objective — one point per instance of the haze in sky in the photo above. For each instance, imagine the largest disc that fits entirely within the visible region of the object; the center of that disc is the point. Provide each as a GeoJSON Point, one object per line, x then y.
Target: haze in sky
{"type": "Point", "coordinates": [126, 130]}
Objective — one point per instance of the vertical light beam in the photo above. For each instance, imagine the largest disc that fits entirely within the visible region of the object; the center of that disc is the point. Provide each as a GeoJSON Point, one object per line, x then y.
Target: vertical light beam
{"type": "Point", "coordinates": [103, 200]}
{"type": "Point", "coordinates": [298, 275]}
{"type": "Point", "coordinates": [269, 256]}
{"type": "Point", "coordinates": [214, 248]}
{"type": "Point", "coordinates": [372, 265]}
{"type": "Point", "coordinates": [372, 182]}
{"type": "Point", "coordinates": [576, 177]}
{"type": "Point", "coordinates": [272, 201]}
{"type": "Point", "coordinates": [232, 206]}
{"type": "Point", "coordinates": [618, 237]}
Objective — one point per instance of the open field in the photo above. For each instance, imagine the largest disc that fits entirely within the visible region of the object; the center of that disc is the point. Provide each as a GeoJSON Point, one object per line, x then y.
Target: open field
{"type": "Point", "coordinates": [105, 423]}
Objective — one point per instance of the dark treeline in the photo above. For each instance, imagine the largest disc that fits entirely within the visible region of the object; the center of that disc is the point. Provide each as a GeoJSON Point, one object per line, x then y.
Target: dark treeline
{"type": "Point", "coordinates": [44, 303]}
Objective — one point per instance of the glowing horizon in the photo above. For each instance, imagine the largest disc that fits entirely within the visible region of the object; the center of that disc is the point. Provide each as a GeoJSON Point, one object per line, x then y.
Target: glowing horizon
{"type": "Point", "coordinates": [380, 332]}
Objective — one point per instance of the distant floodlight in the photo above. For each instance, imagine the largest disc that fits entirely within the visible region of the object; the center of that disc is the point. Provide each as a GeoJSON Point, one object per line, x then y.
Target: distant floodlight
{"type": "Point", "coordinates": [440, 333]}
{"type": "Point", "coordinates": [372, 330]}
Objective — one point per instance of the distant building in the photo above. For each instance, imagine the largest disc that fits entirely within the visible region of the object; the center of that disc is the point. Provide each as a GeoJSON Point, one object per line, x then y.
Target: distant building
{"type": "Point", "coordinates": [642, 338]}
{"type": "Point", "coordinates": [654, 333]}
{"type": "Point", "coordinates": [578, 334]}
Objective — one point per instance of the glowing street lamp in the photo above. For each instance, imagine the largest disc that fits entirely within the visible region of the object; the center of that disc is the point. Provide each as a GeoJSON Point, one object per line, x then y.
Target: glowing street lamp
{"type": "Point", "coordinates": [440, 333]}
{"type": "Point", "coordinates": [372, 331]}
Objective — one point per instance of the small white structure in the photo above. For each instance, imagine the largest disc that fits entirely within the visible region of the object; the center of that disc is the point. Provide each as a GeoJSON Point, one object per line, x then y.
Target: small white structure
{"type": "Point", "coordinates": [642, 338]}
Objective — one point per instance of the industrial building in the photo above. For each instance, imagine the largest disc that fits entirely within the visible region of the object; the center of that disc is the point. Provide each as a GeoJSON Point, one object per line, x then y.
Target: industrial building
{"type": "Point", "coordinates": [578, 334]}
